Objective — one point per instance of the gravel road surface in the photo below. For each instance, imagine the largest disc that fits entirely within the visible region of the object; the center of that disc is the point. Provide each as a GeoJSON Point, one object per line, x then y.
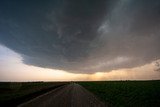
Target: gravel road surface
{"type": "Point", "coordinates": [71, 95]}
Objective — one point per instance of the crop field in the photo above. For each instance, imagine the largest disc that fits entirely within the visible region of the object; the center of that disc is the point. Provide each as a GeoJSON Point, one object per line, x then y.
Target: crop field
{"type": "Point", "coordinates": [112, 93]}
{"type": "Point", "coordinates": [126, 93]}
{"type": "Point", "coordinates": [14, 93]}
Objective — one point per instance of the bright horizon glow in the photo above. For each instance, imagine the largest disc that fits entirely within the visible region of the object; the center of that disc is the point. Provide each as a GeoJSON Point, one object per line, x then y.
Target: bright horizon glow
{"type": "Point", "coordinates": [12, 68]}
{"type": "Point", "coordinates": [61, 41]}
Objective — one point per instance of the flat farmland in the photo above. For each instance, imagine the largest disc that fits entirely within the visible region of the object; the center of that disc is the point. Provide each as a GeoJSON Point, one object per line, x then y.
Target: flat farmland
{"type": "Point", "coordinates": [126, 93]}
{"type": "Point", "coordinates": [15, 93]}
{"type": "Point", "coordinates": [81, 94]}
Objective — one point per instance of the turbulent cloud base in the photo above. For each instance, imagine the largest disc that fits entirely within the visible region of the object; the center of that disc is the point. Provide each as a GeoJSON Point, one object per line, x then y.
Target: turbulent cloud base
{"type": "Point", "coordinates": [83, 36]}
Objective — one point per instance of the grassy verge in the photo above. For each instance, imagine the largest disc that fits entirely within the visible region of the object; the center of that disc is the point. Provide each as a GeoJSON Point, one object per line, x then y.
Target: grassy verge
{"type": "Point", "coordinates": [126, 93]}
{"type": "Point", "coordinates": [13, 94]}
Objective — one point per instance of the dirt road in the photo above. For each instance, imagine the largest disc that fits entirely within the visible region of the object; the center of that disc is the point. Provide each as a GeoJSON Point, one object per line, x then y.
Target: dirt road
{"type": "Point", "coordinates": [72, 95]}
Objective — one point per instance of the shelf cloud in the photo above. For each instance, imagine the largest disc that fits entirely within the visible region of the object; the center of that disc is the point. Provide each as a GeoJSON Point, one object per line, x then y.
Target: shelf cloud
{"type": "Point", "coordinates": [82, 36]}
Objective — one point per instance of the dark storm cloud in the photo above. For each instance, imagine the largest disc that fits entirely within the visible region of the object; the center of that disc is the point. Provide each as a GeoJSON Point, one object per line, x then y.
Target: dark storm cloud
{"type": "Point", "coordinates": [82, 35]}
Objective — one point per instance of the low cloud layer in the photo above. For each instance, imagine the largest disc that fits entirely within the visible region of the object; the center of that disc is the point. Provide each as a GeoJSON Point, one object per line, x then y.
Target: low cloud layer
{"type": "Point", "coordinates": [83, 36]}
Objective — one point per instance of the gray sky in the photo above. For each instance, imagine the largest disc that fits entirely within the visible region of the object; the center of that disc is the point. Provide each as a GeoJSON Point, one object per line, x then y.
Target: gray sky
{"type": "Point", "coordinates": [82, 36]}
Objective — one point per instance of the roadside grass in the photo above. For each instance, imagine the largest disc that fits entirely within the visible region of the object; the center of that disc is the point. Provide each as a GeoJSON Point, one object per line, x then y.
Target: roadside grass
{"type": "Point", "coordinates": [14, 93]}
{"type": "Point", "coordinates": [126, 93]}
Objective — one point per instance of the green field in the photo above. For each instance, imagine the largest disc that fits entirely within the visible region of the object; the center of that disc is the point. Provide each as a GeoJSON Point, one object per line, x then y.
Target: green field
{"type": "Point", "coordinates": [126, 93]}
{"type": "Point", "coordinates": [113, 93]}
{"type": "Point", "coordinates": [14, 93]}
